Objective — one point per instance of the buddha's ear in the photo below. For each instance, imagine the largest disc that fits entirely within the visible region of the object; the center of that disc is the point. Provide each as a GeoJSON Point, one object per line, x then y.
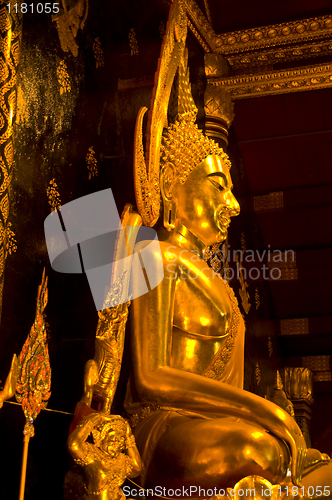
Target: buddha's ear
{"type": "Point", "coordinates": [166, 187]}
{"type": "Point", "coordinates": [167, 182]}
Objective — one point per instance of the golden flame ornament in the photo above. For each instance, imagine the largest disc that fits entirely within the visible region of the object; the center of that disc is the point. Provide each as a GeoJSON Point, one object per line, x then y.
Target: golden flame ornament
{"type": "Point", "coordinates": [34, 374]}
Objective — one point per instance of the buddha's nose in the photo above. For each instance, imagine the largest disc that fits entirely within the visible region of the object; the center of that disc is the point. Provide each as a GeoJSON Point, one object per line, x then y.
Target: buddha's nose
{"type": "Point", "coordinates": [232, 205]}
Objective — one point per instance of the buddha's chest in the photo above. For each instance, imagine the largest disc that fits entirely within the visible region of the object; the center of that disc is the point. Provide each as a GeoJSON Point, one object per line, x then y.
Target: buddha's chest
{"type": "Point", "coordinates": [202, 317]}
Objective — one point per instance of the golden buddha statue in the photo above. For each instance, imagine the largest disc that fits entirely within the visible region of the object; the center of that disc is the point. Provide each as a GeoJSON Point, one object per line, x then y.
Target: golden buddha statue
{"type": "Point", "coordinates": [196, 426]}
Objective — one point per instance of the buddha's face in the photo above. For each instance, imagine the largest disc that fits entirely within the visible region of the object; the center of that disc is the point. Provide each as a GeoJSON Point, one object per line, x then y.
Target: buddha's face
{"type": "Point", "coordinates": [205, 202]}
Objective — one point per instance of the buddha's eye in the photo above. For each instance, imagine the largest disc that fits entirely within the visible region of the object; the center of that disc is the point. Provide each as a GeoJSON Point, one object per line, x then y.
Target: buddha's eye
{"type": "Point", "coordinates": [218, 184]}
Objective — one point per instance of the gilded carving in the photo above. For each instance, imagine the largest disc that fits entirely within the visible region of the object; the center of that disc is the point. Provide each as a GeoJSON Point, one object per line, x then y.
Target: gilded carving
{"type": "Point", "coordinates": [299, 383]}
{"type": "Point", "coordinates": [109, 459]}
{"type": "Point", "coordinates": [215, 65]}
{"type": "Point", "coordinates": [63, 78]}
{"type": "Point", "coordinates": [91, 163]}
{"type": "Point", "coordinates": [264, 45]}
{"type": "Point", "coordinates": [34, 371]}
{"type": "Point", "coordinates": [257, 299]}
{"type": "Point", "coordinates": [279, 396]}
{"type": "Point", "coordinates": [98, 53]}
{"type": "Point", "coordinates": [53, 195]}
{"type": "Point", "coordinates": [275, 55]}
{"type": "Point", "coordinates": [270, 346]}
{"type": "Point", "coordinates": [278, 82]}
{"type": "Point", "coordinates": [308, 30]}
{"type": "Point", "coordinates": [68, 23]}
{"type": "Point", "coordinates": [109, 346]}
{"type": "Point", "coordinates": [200, 40]}
{"type": "Point", "coordinates": [133, 42]}
{"type": "Point", "coordinates": [10, 27]}
{"type": "Point", "coordinates": [219, 113]}
{"type": "Point", "coordinates": [113, 455]}
{"type": "Point", "coordinates": [207, 10]}
{"type": "Point", "coordinates": [11, 243]}
{"type": "Point", "coordinates": [200, 26]}
{"type": "Point", "coordinates": [258, 373]}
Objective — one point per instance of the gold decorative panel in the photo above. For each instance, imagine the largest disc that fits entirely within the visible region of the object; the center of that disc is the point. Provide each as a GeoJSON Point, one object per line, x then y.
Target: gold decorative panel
{"type": "Point", "coordinates": [272, 202]}
{"type": "Point", "coordinates": [282, 266]}
{"type": "Point", "coordinates": [279, 82]}
{"type": "Point", "coordinates": [322, 376]}
{"type": "Point", "coordinates": [309, 31]}
{"type": "Point", "coordinates": [316, 363]}
{"type": "Point", "coordinates": [294, 326]}
{"type": "Point", "coordinates": [320, 366]}
{"type": "Point", "coordinates": [91, 163]}
{"type": "Point", "coordinates": [10, 40]}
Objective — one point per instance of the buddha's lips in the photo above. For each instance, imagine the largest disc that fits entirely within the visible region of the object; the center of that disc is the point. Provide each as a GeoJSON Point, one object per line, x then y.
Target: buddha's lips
{"type": "Point", "coordinates": [224, 222]}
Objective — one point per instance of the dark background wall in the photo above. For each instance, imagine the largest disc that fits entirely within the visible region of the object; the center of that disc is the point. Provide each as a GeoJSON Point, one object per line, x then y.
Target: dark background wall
{"type": "Point", "coordinates": [66, 105]}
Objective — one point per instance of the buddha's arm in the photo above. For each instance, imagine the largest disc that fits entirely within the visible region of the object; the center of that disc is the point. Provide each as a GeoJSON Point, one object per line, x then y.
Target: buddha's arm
{"type": "Point", "coordinates": [159, 384]}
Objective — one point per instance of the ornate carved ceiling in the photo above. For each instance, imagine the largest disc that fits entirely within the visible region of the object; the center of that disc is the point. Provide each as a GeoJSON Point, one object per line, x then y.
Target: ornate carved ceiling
{"type": "Point", "coordinates": [272, 59]}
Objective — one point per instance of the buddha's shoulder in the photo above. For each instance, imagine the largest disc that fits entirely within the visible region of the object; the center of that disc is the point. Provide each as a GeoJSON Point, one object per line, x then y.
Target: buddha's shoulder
{"type": "Point", "coordinates": [168, 252]}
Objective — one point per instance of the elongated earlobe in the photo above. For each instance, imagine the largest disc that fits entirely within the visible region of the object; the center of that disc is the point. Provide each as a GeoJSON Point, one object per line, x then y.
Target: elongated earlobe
{"type": "Point", "coordinates": [169, 215]}
{"type": "Point", "coordinates": [169, 203]}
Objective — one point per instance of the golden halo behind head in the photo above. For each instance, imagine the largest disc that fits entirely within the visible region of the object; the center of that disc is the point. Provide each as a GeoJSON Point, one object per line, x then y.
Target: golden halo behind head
{"type": "Point", "coordinates": [184, 146]}
{"type": "Point", "coordinates": [146, 173]}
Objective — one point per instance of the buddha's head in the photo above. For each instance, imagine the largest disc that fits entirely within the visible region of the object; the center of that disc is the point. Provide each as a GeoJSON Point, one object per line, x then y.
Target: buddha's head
{"type": "Point", "coordinates": [196, 185]}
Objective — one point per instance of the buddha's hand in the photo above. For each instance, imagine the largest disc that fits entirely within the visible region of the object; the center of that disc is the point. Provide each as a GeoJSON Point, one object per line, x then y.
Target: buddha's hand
{"type": "Point", "coordinates": [279, 423]}
{"type": "Point", "coordinates": [10, 385]}
{"type": "Point", "coordinates": [297, 446]}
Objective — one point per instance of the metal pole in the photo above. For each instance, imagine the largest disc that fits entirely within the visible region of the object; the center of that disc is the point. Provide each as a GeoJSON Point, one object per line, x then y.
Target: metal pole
{"type": "Point", "coordinates": [24, 466]}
